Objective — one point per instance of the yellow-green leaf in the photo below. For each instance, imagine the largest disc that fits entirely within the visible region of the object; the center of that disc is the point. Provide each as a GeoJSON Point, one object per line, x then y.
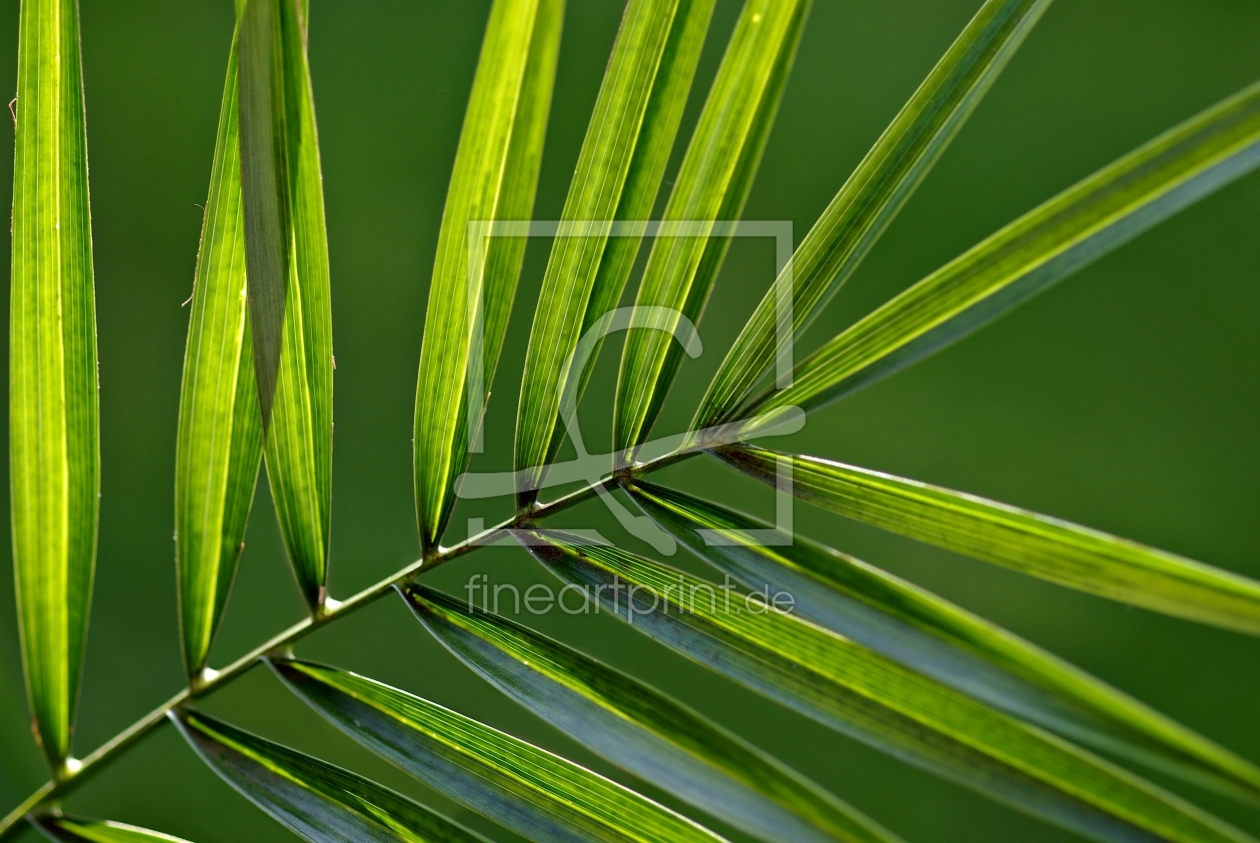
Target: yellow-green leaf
{"type": "Point", "coordinates": [872, 196]}
{"type": "Point", "coordinates": [286, 252]}
{"type": "Point", "coordinates": [712, 184]}
{"type": "Point", "coordinates": [54, 448]}
{"type": "Point", "coordinates": [618, 173]}
{"type": "Point", "coordinates": [1059, 551]}
{"type": "Point", "coordinates": [495, 175]}
{"type": "Point", "coordinates": [74, 830]}
{"type": "Point", "coordinates": [1048, 243]}
{"type": "Point", "coordinates": [219, 444]}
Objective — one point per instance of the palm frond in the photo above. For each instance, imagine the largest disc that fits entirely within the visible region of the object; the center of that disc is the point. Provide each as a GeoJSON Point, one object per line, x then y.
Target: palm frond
{"type": "Point", "coordinates": [74, 830]}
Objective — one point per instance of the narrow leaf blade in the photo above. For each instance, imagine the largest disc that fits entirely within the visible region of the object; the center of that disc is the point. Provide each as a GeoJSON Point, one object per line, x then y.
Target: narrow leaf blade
{"type": "Point", "coordinates": [942, 640]}
{"type": "Point", "coordinates": [526, 789]}
{"type": "Point", "coordinates": [860, 693]}
{"type": "Point", "coordinates": [712, 185]}
{"type": "Point", "coordinates": [641, 729]}
{"type": "Point", "coordinates": [871, 198]}
{"type": "Point", "coordinates": [1074, 556]}
{"type": "Point", "coordinates": [495, 176]}
{"type": "Point", "coordinates": [315, 800]}
{"type": "Point", "coordinates": [54, 448]}
{"type": "Point", "coordinates": [1045, 245]}
{"type": "Point", "coordinates": [618, 174]}
{"type": "Point", "coordinates": [287, 270]}
{"type": "Point", "coordinates": [73, 830]}
{"type": "Point", "coordinates": [219, 444]}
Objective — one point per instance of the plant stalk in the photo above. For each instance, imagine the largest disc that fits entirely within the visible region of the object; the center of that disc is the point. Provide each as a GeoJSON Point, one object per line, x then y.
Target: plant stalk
{"type": "Point", "coordinates": [77, 772]}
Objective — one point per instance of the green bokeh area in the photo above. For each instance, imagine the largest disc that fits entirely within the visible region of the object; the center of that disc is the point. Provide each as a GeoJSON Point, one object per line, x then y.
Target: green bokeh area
{"type": "Point", "coordinates": [1127, 398]}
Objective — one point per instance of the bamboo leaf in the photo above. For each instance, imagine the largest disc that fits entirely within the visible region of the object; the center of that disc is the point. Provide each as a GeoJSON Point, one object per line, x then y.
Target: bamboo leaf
{"type": "Point", "coordinates": [713, 184]}
{"type": "Point", "coordinates": [858, 692]}
{"type": "Point", "coordinates": [219, 445]}
{"type": "Point", "coordinates": [496, 172]}
{"type": "Point", "coordinates": [618, 173]}
{"type": "Point", "coordinates": [1059, 551]}
{"type": "Point", "coordinates": [641, 729]}
{"type": "Point", "coordinates": [1050, 242]}
{"type": "Point", "coordinates": [287, 269]}
{"type": "Point", "coordinates": [315, 800]}
{"type": "Point", "coordinates": [942, 640]}
{"type": "Point", "coordinates": [73, 830]}
{"type": "Point", "coordinates": [526, 789]}
{"type": "Point", "coordinates": [54, 448]}
{"type": "Point", "coordinates": [872, 197]}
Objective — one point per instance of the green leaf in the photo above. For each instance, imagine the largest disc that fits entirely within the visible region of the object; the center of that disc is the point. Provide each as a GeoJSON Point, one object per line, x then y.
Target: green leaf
{"type": "Point", "coordinates": [54, 447]}
{"type": "Point", "coordinates": [1047, 244]}
{"type": "Point", "coordinates": [618, 173]}
{"type": "Point", "coordinates": [286, 251]}
{"type": "Point", "coordinates": [74, 830]}
{"type": "Point", "coordinates": [219, 444]}
{"type": "Point", "coordinates": [858, 692]}
{"type": "Point", "coordinates": [941, 640]}
{"type": "Point", "coordinates": [872, 196]}
{"type": "Point", "coordinates": [496, 172]}
{"type": "Point", "coordinates": [315, 800]}
{"type": "Point", "coordinates": [532, 792]}
{"type": "Point", "coordinates": [1077, 557]}
{"type": "Point", "coordinates": [712, 184]}
{"type": "Point", "coordinates": [641, 729]}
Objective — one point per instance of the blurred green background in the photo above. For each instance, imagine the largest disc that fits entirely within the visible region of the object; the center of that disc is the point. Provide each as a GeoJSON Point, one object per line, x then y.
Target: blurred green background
{"type": "Point", "coordinates": [1128, 398]}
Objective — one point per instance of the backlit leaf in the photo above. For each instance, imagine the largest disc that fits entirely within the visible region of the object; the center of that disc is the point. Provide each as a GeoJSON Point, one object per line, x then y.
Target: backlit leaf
{"type": "Point", "coordinates": [712, 184]}
{"type": "Point", "coordinates": [496, 172]}
{"type": "Point", "coordinates": [871, 197]}
{"type": "Point", "coordinates": [219, 445]}
{"type": "Point", "coordinates": [54, 448]}
{"type": "Point", "coordinates": [286, 252]}
{"type": "Point", "coordinates": [618, 173]}
{"type": "Point", "coordinates": [73, 830]}
{"type": "Point", "coordinates": [1059, 551]}
{"type": "Point", "coordinates": [1048, 243]}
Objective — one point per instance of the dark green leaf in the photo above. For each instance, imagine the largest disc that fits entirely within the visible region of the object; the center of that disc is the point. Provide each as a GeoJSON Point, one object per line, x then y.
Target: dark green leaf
{"type": "Point", "coordinates": [219, 445]}
{"type": "Point", "coordinates": [316, 801]}
{"type": "Point", "coordinates": [287, 268]}
{"type": "Point", "coordinates": [496, 172]}
{"type": "Point", "coordinates": [526, 789]}
{"type": "Point", "coordinates": [1046, 244]}
{"type": "Point", "coordinates": [872, 196]}
{"type": "Point", "coordinates": [641, 729]}
{"type": "Point", "coordinates": [941, 640]}
{"type": "Point", "coordinates": [854, 690]}
{"type": "Point", "coordinates": [54, 448]}
{"type": "Point", "coordinates": [712, 184]}
{"type": "Point", "coordinates": [618, 173]}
